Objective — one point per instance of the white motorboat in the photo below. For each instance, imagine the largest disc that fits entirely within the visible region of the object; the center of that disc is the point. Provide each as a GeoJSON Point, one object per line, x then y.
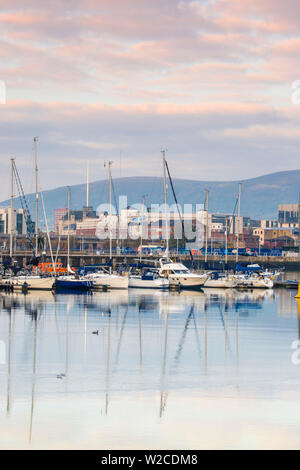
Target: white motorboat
{"type": "Point", "coordinates": [112, 281]}
{"type": "Point", "coordinates": [32, 282]}
{"type": "Point", "coordinates": [148, 280]}
{"type": "Point", "coordinates": [180, 275]}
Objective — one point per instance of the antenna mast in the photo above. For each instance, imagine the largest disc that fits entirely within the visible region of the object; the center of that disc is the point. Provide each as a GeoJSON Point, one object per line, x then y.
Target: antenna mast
{"type": "Point", "coordinates": [87, 183]}
{"type": "Point", "coordinates": [238, 223]}
{"type": "Point", "coordinates": [163, 152]}
{"type": "Point", "coordinates": [11, 230]}
{"type": "Point", "coordinates": [35, 140]}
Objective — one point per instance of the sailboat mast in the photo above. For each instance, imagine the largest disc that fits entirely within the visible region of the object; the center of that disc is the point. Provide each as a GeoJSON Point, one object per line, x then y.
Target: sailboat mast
{"type": "Point", "coordinates": [163, 152]}
{"type": "Point", "coordinates": [110, 214]}
{"type": "Point", "coordinates": [87, 183]}
{"type": "Point", "coordinates": [299, 223]}
{"type": "Point", "coordinates": [69, 198]}
{"type": "Point", "coordinates": [206, 231]}
{"type": "Point", "coordinates": [226, 241]}
{"type": "Point", "coordinates": [12, 162]}
{"type": "Point", "coordinates": [142, 226]}
{"type": "Point", "coordinates": [35, 140]}
{"type": "Point", "coordinates": [238, 223]}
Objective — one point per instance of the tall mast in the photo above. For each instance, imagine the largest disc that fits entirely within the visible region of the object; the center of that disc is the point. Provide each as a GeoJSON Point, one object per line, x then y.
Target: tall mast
{"type": "Point", "coordinates": [299, 222]}
{"type": "Point", "coordinates": [87, 183]}
{"type": "Point", "coordinates": [11, 230]}
{"type": "Point", "coordinates": [69, 198]}
{"type": "Point", "coordinates": [35, 140]}
{"type": "Point", "coordinates": [163, 152]}
{"type": "Point", "coordinates": [142, 226]}
{"type": "Point", "coordinates": [110, 214]}
{"type": "Point", "coordinates": [238, 223]}
{"type": "Point", "coordinates": [206, 231]}
{"type": "Point", "coordinates": [226, 240]}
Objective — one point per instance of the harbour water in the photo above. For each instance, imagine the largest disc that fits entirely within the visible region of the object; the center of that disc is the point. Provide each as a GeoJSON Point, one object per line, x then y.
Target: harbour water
{"type": "Point", "coordinates": [150, 370]}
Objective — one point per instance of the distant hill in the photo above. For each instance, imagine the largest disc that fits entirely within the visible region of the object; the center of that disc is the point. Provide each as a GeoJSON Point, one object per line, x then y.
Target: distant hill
{"type": "Point", "coordinates": [260, 196]}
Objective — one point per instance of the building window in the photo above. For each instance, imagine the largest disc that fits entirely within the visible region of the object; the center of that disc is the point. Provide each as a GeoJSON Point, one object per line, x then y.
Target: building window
{"type": "Point", "coordinates": [20, 224]}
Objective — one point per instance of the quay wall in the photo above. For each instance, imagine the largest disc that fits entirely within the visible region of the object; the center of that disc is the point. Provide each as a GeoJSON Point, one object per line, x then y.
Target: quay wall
{"type": "Point", "coordinates": [78, 259]}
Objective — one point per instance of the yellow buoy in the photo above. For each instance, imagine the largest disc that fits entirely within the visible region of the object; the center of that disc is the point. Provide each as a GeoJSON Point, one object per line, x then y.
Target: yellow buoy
{"type": "Point", "coordinates": [298, 295]}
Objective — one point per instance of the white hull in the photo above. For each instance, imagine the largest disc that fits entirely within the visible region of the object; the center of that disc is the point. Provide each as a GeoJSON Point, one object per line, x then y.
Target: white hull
{"type": "Point", "coordinates": [137, 282]}
{"type": "Point", "coordinates": [33, 283]}
{"type": "Point", "coordinates": [256, 283]}
{"type": "Point", "coordinates": [179, 275]}
{"type": "Point", "coordinates": [220, 283]}
{"type": "Point", "coordinates": [187, 281]}
{"type": "Point", "coordinates": [112, 281]}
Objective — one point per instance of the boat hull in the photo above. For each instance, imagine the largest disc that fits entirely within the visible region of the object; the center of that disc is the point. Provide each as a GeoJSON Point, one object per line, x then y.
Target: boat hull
{"type": "Point", "coordinates": [256, 284]}
{"type": "Point", "coordinates": [139, 283]}
{"type": "Point", "coordinates": [111, 281]}
{"type": "Point", "coordinates": [33, 283]}
{"type": "Point", "coordinates": [187, 281]}
{"type": "Point", "coordinates": [73, 284]}
{"type": "Point", "coordinates": [220, 283]}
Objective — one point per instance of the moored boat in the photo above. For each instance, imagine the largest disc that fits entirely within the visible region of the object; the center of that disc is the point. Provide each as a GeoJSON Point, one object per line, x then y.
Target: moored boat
{"type": "Point", "coordinates": [73, 283]}
{"type": "Point", "coordinates": [112, 281]}
{"type": "Point", "coordinates": [32, 282]}
{"type": "Point", "coordinates": [180, 275]}
{"type": "Point", "coordinates": [255, 281]}
{"type": "Point", "coordinates": [220, 280]}
{"type": "Point", "coordinates": [148, 280]}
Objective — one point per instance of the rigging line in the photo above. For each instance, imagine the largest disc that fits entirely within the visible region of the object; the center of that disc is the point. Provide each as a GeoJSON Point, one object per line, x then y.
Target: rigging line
{"type": "Point", "coordinates": [204, 203]}
{"type": "Point", "coordinates": [197, 335]}
{"type": "Point", "coordinates": [224, 327]}
{"type": "Point", "coordinates": [58, 247]}
{"type": "Point", "coordinates": [20, 187]}
{"type": "Point", "coordinates": [182, 340]}
{"type": "Point", "coordinates": [178, 209]}
{"type": "Point", "coordinates": [114, 195]}
{"type": "Point", "coordinates": [24, 205]}
{"type": "Point", "coordinates": [176, 201]}
{"type": "Point", "coordinates": [233, 213]}
{"type": "Point", "coordinates": [47, 228]}
{"type": "Point", "coordinates": [121, 336]}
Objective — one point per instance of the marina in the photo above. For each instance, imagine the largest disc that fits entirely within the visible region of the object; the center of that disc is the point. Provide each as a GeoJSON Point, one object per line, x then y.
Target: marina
{"type": "Point", "coordinates": [149, 230]}
{"type": "Point", "coordinates": [153, 272]}
{"type": "Point", "coordinates": [124, 369]}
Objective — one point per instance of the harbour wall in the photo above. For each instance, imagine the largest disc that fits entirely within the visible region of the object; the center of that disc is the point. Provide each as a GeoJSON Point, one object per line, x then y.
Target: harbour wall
{"type": "Point", "coordinates": [78, 259]}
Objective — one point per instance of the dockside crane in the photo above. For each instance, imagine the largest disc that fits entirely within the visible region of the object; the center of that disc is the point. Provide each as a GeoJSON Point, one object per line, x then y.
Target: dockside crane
{"type": "Point", "coordinates": [30, 227]}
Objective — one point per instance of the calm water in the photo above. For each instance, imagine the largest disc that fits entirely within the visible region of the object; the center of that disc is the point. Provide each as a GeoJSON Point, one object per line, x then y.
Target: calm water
{"type": "Point", "coordinates": [166, 370]}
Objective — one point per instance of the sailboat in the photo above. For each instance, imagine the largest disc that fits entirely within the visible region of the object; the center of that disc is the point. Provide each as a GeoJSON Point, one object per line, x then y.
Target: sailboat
{"type": "Point", "coordinates": [149, 278]}
{"type": "Point", "coordinates": [252, 276]}
{"type": "Point", "coordinates": [105, 276]}
{"type": "Point", "coordinates": [176, 273]}
{"type": "Point", "coordinates": [72, 282]}
{"type": "Point", "coordinates": [30, 281]}
{"type": "Point", "coordinates": [217, 279]}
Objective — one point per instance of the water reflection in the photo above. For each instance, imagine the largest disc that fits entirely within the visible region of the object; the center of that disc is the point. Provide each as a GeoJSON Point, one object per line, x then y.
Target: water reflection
{"type": "Point", "coordinates": [116, 352]}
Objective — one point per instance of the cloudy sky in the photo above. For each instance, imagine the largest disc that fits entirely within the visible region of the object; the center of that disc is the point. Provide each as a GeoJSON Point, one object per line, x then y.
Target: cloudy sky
{"type": "Point", "coordinates": [209, 80]}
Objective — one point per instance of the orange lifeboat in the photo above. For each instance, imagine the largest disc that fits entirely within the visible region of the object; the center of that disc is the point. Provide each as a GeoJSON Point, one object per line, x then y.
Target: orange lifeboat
{"type": "Point", "coordinates": [48, 268]}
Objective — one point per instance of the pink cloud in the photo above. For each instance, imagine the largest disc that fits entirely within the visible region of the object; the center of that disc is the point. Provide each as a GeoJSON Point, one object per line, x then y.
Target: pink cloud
{"type": "Point", "coordinates": [168, 68]}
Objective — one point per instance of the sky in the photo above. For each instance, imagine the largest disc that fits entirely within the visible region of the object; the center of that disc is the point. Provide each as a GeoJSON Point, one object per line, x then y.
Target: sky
{"type": "Point", "coordinates": [210, 81]}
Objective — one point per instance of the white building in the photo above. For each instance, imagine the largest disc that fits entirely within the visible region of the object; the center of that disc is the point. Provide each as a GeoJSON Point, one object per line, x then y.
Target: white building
{"type": "Point", "coordinates": [18, 221]}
